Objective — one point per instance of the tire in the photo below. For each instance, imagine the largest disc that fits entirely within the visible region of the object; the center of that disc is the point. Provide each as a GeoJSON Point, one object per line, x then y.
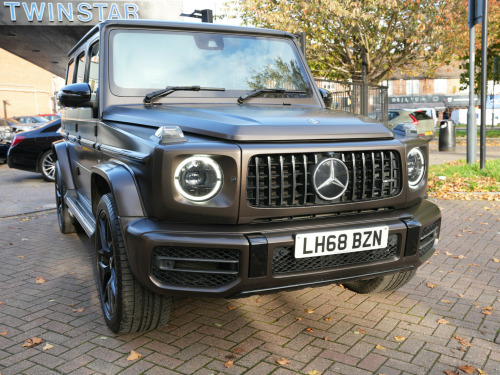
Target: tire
{"type": "Point", "coordinates": [127, 306]}
{"type": "Point", "coordinates": [66, 222]}
{"type": "Point", "coordinates": [47, 166]}
{"type": "Point", "coordinates": [380, 284]}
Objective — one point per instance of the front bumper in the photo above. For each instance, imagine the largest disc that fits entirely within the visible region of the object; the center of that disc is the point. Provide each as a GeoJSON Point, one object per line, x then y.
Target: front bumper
{"type": "Point", "coordinates": [238, 260]}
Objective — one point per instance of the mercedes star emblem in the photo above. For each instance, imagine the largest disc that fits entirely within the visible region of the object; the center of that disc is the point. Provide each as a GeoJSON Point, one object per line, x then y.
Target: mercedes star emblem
{"type": "Point", "coordinates": [330, 178]}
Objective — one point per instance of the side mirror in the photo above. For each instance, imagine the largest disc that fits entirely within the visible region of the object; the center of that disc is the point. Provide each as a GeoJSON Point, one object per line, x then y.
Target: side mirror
{"type": "Point", "coordinates": [75, 95]}
{"type": "Point", "coordinates": [327, 97]}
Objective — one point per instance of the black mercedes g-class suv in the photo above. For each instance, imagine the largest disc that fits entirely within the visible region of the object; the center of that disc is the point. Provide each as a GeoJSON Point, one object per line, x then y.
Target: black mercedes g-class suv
{"type": "Point", "coordinates": [203, 161]}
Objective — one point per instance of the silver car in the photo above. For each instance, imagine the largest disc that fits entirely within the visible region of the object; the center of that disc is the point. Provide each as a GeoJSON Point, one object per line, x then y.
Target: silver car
{"type": "Point", "coordinates": [422, 122]}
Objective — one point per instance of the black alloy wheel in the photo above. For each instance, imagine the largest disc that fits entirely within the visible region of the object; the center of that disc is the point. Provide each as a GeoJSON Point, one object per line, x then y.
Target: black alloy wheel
{"type": "Point", "coordinates": [106, 266]}
{"type": "Point", "coordinates": [65, 221]}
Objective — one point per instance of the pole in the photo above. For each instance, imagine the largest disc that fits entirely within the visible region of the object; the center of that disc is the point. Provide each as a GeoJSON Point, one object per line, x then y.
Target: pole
{"type": "Point", "coordinates": [471, 114]}
{"type": "Point", "coordinates": [364, 85]}
{"type": "Point", "coordinates": [484, 56]}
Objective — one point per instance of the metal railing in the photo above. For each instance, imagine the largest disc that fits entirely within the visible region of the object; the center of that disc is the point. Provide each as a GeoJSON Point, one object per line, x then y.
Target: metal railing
{"type": "Point", "coordinates": [354, 97]}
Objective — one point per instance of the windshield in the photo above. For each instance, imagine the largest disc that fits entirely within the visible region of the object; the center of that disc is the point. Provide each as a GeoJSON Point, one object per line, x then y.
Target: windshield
{"type": "Point", "coordinates": [145, 60]}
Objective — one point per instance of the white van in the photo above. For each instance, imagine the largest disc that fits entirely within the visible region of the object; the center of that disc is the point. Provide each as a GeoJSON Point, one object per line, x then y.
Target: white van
{"type": "Point", "coordinates": [459, 116]}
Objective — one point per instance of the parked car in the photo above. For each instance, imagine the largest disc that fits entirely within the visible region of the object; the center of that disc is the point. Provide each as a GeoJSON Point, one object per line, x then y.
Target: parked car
{"type": "Point", "coordinates": [51, 116]}
{"type": "Point", "coordinates": [423, 122]}
{"type": "Point", "coordinates": [238, 179]}
{"type": "Point", "coordinates": [30, 119]}
{"type": "Point", "coordinates": [431, 112]}
{"type": "Point", "coordinates": [32, 150]}
{"type": "Point", "coordinates": [24, 123]}
{"type": "Point", "coordinates": [6, 135]}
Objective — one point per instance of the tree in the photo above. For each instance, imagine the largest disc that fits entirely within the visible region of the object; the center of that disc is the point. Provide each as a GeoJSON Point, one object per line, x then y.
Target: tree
{"type": "Point", "coordinates": [493, 63]}
{"type": "Point", "coordinates": [394, 35]}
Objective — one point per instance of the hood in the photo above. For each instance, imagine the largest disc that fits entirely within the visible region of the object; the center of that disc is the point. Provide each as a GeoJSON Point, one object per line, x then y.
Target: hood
{"type": "Point", "coordinates": [248, 123]}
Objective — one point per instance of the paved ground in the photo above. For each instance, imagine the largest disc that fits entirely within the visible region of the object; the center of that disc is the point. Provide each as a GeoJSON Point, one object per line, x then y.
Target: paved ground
{"type": "Point", "coordinates": [460, 152]}
{"type": "Point", "coordinates": [205, 334]}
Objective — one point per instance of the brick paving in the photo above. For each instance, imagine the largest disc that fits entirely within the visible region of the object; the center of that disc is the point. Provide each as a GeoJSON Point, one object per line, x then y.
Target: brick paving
{"type": "Point", "coordinates": [204, 334]}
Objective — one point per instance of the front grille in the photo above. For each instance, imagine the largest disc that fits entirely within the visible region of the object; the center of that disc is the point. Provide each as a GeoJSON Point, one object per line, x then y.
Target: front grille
{"type": "Point", "coordinates": [195, 266]}
{"type": "Point", "coordinates": [321, 216]}
{"type": "Point", "coordinates": [285, 262]}
{"type": "Point", "coordinates": [285, 180]}
{"type": "Point", "coordinates": [429, 235]}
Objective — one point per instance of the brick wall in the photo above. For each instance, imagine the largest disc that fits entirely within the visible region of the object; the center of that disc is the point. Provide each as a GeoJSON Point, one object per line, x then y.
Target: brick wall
{"type": "Point", "coordinates": [26, 87]}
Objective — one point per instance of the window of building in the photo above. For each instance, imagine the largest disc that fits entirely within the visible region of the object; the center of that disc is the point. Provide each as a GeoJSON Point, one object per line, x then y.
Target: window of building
{"type": "Point", "coordinates": [390, 87]}
{"type": "Point", "coordinates": [440, 86]}
{"type": "Point", "coordinates": [412, 87]}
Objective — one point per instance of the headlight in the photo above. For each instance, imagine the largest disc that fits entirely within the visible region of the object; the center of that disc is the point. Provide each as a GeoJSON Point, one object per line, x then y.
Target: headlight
{"type": "Point", "coordinates": [198, 178]}
{"type": "Point", "coordinates": [416, 167]}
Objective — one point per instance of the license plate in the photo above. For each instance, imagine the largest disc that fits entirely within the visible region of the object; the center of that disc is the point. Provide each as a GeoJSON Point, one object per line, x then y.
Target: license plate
{"type": "Point", "coordinates": [340, 241]}
{"type": "Point", "coordinates": [428, 133]}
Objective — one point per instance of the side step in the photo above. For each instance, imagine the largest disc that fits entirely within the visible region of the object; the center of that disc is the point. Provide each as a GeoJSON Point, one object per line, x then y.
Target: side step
{"type": "Point", "coordinates": [82, 213]}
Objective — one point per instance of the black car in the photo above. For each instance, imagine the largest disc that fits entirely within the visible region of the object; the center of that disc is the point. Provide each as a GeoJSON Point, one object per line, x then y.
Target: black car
{"type": "Point", "coordinates": [32, 150]}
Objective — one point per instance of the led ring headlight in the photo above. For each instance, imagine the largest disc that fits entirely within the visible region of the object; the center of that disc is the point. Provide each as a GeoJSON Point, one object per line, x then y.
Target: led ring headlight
{"type": "Point", "coordinates": [416, 167]}
{"type": "Point", "coordinates": [198, 178]}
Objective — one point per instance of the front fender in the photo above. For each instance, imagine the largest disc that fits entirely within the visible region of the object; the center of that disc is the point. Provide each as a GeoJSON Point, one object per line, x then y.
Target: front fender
{"type": "Point", "coordinates": [123, 185]}
{"type": "Point", "coordinates": [60, 149]}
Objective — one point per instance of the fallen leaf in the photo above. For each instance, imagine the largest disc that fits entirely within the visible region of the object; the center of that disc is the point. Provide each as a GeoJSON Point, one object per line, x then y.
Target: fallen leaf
{"type": "Point", "coordinates": [325, 338]}
{"type": "Point", "coordinates": [228, 364]}
{"type": "Point", "coordinates": [1, 303]}
{"type": "Point", "coordinates": [34, 341]}
{"type": "Point", "coordinates": [328, 319]}
{"type": "Point", "coordinates": [399, 338]}
{"type": "Point", "coordinates": [380, 347]}
{"type": "Point", "coordinates": [3, 333]}
{"type": "Point", "coordinates": [310, 330]}
{"type": "Point", "coordinates": [462, 340]}
{"type": "Point", "coordinates": [432, 286]}
{"type": "Point", "coordinates": [313, 372]}
{"type": "Point", "coordinates": [282, 361]}
{"type": "Point", "coordinates": [460, 295]}
{"type": "Point", "coordinates": [446, 301]}
{"type": "Point", "coordinates": [451, 372]}
{"type": "Point", "coordinates": [483, 223]}
{"type": "Point", "coordinates": [496, 260]}
{"type": "Point", "coordinates": [309, 311]}
{"type": "Point", "coordinates": [218, 325]}
{"type": "Point", "coordinates": [443, 321]}
{"type": "Point", "coordinates": [231, 307]}
{"type": "Point", "coordinates": [462, 349]}
{"type": "Point", "coordinates": [487, 208]}
{"type": "Point", "coordinates": [39, 280]}
{"type": "Point", "coordinates": [486, 312]}
{"type": "Point", "coordinates": [257, 301]}
{"type": "Point", "coordinates": [47, 346]}
{"type": "Point", "coordinates": [448, 253]}
{"type": "Point", "coordinates": [468, 369]}
{"type": "Point", "coordinates": [133, 356]}
{"type": "Point", "coordinates": [81, 309]}
{"type": "Point", "coordinates": [481, 372]}
{"type": "Point", "coordinates": [20, 256]}
{"type": "Point", "coordinates": [459, 256]}
{"type": "Point", "coordinates": [298, 318]}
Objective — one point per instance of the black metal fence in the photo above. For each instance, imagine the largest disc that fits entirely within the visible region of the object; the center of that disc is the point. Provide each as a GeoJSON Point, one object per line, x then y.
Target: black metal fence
{"type": "Point", "coordinates": [354, 97]}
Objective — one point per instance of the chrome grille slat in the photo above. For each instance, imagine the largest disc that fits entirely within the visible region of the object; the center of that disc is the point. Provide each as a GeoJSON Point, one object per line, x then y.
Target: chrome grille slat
{"type": "Point", "coordinates": [285, 180]}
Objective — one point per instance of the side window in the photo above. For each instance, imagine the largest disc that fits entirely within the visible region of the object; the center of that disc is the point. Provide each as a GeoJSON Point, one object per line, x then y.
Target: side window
{"type": "Point", "coordinates": [393, 115]}
{"type": "Point", "coordinates": [80, 68]}
{"type": "Point", "coordinates": [69, 72]}
{"type": "Point", "coordinates": [94, 69]}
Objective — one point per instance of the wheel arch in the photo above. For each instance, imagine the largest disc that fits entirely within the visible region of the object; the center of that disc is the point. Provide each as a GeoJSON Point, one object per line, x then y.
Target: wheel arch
{"type": "Point", "coordinates": [60, 150]}
{"type": "Point", "coordinates": [119, 180]}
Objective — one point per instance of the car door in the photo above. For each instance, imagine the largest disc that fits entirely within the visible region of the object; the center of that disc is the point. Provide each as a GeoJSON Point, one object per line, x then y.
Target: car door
{"type": "Point", "coordinates": [81, 126]}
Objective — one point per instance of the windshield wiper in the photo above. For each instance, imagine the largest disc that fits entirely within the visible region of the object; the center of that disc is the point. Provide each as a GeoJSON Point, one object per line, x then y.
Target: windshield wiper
{"type": "Point", "coordinates": [148, 99]}
{"type": "Point", "coordinates": [258, 92]}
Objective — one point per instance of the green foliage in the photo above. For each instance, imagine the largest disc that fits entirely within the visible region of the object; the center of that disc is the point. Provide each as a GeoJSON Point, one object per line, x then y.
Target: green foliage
{"type": "Point", "coordinates": [281, 74]}
{"type": "Point", "coordinates": [467, 171]}
{"type": "Point", "coordinates": [409, 35]}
